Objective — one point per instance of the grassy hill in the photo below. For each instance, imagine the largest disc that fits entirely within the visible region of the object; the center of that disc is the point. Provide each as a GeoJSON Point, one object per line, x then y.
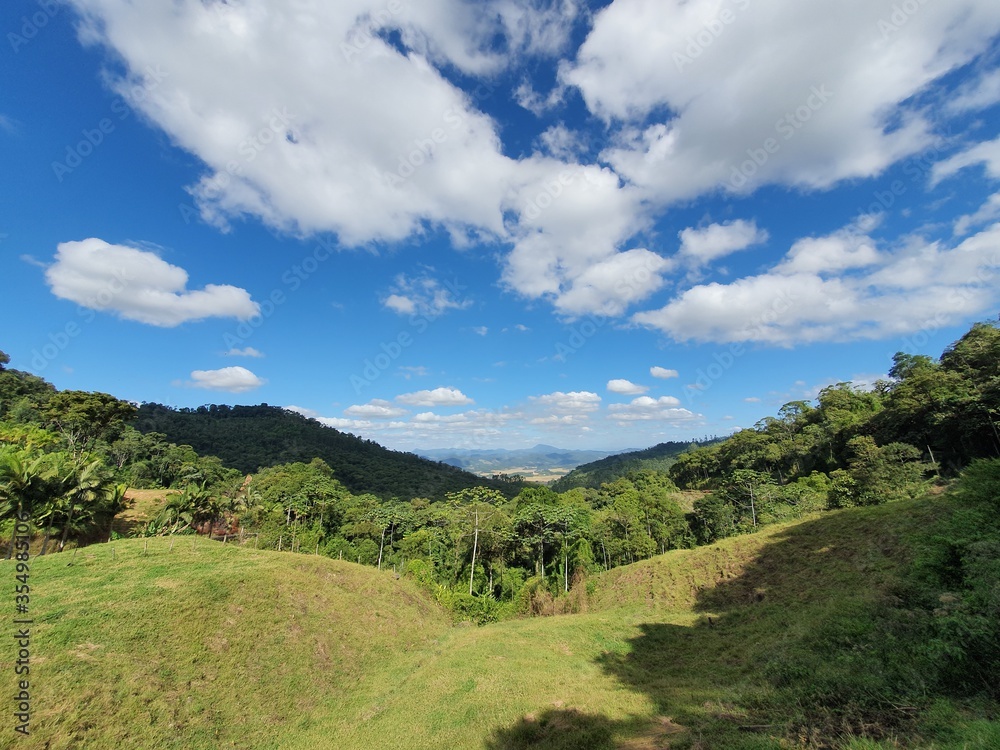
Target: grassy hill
{"type": "Point", "coordinates": [251, 437]}
{"type": "Point", "coordinates": [660, 458]}
{"type": "Point", "coordinates": [741, 645]}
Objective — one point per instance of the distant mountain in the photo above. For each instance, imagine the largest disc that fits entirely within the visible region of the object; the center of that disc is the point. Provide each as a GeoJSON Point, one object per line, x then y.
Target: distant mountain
{"type": "Point", "coordinates": [659, 457]}
{"type": "Point", "coordinates": [539, 461]}
{"type": "Point", "coordinates": [251, 437]}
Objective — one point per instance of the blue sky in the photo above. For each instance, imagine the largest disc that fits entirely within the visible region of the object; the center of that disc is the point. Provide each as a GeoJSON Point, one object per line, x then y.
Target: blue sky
{"type": "Point", "coordinates": [492, 224]}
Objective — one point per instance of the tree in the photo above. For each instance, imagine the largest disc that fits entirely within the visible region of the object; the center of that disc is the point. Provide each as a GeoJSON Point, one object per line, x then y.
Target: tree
{"type": "Point", "coordinates": [4, 359]}
{"type": "Point", "coordinates": [83, 417]}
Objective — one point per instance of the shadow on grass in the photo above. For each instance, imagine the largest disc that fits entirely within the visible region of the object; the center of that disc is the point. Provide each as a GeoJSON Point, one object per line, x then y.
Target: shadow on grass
{"type": "Point", "coordinates": [713, 677]}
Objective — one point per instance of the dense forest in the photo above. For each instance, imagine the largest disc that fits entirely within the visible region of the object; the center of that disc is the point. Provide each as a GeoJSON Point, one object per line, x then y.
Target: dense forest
{"type": "Point", "coordinates": [488, 548]}
{"type": "Point", "coordinates": [249, 438]}
{"type": "Point", "coordinates": [604, 470]}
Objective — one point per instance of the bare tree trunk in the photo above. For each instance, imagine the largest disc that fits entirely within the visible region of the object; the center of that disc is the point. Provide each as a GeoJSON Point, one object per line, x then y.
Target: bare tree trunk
{"type": "Point", "coordinates": [380, 547]}
{"type": "Point", "coordinates": [48, 535]}
{"type": "Point", "coordinates": [475, 547]}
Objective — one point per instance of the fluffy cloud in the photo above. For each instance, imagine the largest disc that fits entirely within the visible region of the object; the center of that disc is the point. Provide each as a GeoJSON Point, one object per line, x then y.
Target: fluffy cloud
{"type": "Point", "coordinates": [700, 246]}
{"type": "Point", "coordinates": [375, 409]}
{"type": "Point", "coordinates": [436, 397]}
{"type": "Point", "coordinates": [839, 288]}
{"type": "Point", "coordinates": [663, 373]}
{"type": "Point", "coordinates": [697, 95]}
{"type": "Point", "coordinates": [745, 94]}
{"type": "Point", "coordinates": [231, 379]}
{"type": "Point", "coordinates": [138, 285]}
{"type": "Point", "coordinates": [574, 401]}
{"type": "Point", "coordinates": [626, 387]}
{"type": "Point", "coordinates": [665, 408]}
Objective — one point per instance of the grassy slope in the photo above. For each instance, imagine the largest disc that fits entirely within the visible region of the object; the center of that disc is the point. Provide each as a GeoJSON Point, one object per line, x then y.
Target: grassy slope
{"type": "Point", "coordinates": [309, 652]}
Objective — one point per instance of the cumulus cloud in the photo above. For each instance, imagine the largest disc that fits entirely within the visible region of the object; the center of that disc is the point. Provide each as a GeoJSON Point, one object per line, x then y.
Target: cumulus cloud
{"type": "Point", "coordinates": [139, 285]}
{"type": "Point", "coordinates": [436, 397]}
{"type": "Point", "coordinates": [748, 94]}
{"type": "Point", "coordinates": [626, 387]}
{"type": "Point", "coordinates": [840, 288]}
{"type": "Point", "coordinates": [375, 409]}
{"type": "Point", "coordinates": [700, 246]}
{"type": "Point", "coordinates": [665, 408]}
{"type": "Point", "coordinates": [807, 95]}
{"type": "Point", "coordinates": [663, 373]}
{"type": "Point", "coordinates": [231, 379]}
{"type": "Point", "coordinates": [574, 401]}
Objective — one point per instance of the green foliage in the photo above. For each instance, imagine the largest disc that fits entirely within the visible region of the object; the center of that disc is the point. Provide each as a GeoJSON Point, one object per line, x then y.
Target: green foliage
{"type": "Point", "coordinates": [606, 470]}
{"type": "Point", "coordinates": [249, 438]}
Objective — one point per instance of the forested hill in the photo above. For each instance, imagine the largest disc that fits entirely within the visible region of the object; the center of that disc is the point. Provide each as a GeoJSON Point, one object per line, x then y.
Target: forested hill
{"type": "Point", "coordinates": [252, 437]}
{"type": "Point", "coordinates": [603, 471]}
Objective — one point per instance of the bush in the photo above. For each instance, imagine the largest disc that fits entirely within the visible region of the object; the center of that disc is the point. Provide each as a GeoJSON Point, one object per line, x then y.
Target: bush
{"type": "Point", "coordinates": [980, 482]}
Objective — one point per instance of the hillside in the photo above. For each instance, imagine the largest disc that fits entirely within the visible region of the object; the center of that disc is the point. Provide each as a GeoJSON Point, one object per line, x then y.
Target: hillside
{"type": "Point", "coordinates": [251, 437]}
{"type": "Point", "coordinates": [658, 458]}
{"type": "Point", "coordinates": [537, 460]}
{"type": "Point", "coordinates": [187, 643]}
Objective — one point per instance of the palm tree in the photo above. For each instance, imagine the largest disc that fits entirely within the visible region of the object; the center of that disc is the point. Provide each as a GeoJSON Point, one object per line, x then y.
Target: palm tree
{"type": "Point", "coordinates": [22, 485]}
{"type": "Point", "coordinates": [88, 488]}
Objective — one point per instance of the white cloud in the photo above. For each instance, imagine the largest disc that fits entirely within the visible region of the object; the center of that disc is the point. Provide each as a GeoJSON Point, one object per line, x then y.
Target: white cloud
{"type": "Point", "coordinates": [480, 330]}
{"type": "Point", "coordinates": [838, 111]}
{"type": "Point", "coordinates": [989, 211]}
{"type": "Point", "coordinates": [626, 387]}
{"type": "Point", "coordinates": [752, 400]}
{"type": "Point", "coordinates": [574, 401]}
{"type": "Point", "coordinates": [375, 409]}
{"type": "Point", "coordinates": [409, 371]}
{"type": "Point", "coordinates": [978, 94]}
{"type": "Point", "coordinates": [609, 286]}
{"type": "Point", "coordinates": [665, 408]}
{"type": "Point", "coordinates": [875, 295]}
{"type": "Point", "coordinates": [986, 153]}
{"type": "Point", "coordinates": [437, 397]}
{"type": "Point", "coordinates": [231, 379]}
{"type": "Point", "coordinates": [663, 373]}
{"type": "Point", "coordinates": [248, 351]}
{"type": "Point", "coordinates": [825, 82]}
{"type": "Point", "coordinates": [424, 295]}
{"type": "Point", "coordinates": [704, 245]}
{"type": "Point", "coordinates": [847, 248]}
{"type": "Point", "coordinates": [138, 285]}
{"type": "Point", "coordinates": [561, 142]}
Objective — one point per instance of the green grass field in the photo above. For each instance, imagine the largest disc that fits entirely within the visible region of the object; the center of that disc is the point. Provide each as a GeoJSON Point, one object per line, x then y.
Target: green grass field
{"type": "Point", "coordinates": [205, 645]}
